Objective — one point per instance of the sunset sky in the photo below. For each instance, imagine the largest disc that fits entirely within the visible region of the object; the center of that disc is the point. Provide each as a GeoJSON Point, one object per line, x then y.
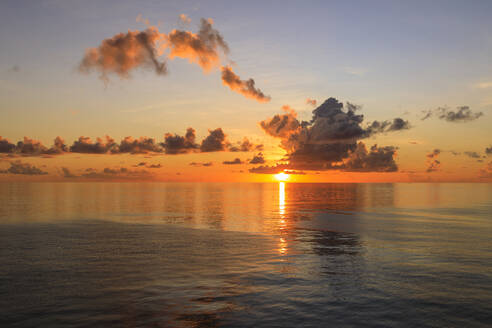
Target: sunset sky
{"type": "Point", "coordinates": [419, 72]}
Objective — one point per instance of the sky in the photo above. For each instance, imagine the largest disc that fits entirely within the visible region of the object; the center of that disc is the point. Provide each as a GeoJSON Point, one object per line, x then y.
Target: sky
{"type": "Point", "coordinates": [352, 91]}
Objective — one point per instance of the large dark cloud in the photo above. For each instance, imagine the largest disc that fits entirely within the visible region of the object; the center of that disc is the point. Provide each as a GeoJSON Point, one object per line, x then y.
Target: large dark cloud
{"type": "Point", "coordinates": [17, 167]}
{"type": "Point", "coordinates": [141, 145]}
{"type": "Point", "coordinates": [461, 114]}
{"type": "Point", "coordinates": [330, 139]}
{"type": "Point", "coordinates": [125, 52]}
{"type": "Point", "coordinates": [488, 150]}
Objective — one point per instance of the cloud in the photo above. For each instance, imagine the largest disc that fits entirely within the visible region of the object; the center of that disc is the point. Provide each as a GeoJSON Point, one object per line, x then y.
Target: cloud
{"type": "Point", "coordinates": [101, 146]}
{"type": "Point", "coordinates": [129, 51]}
{"type": "Point", "coordinates": [433, 164]}
{"type": "Point", "coordinates": [207, 164]}
{"type": "Point", "coordinates": [175, 144]}
{"type": "Point", "coordinates": [486, 172]}
{"type": "Point", "coordinates": [31, 147]}
{"type": "Point", "coordinates": [121, 173]}
{"type": "Point", "coordinates": [184, 18]}
{"type": "Point", "coordinates": [488, 150]}
{"type": "Point", "coordinates": [397, 124]}
{"type": "Point", "coordinates": [244, 146]}
{"type": "Point", "coordinates": [378, 159]}
{"type": "Point", "coordinates": [233, 162]}
{"type": "Point", "coordinates": [265, 169]}
{"type": "Point", "coordinates": [258, 159]}
{"type": "Point", "coordinates": [172, 144]}
{"type": "Point", "coordinates": [141, 145]}
{"type": "Point", "coordinates": [215, 141]}
{"type": "Point", "coordinates": [311, 102]}
{"type": "Point", "coordinates": [282, 125]}
{"type": "Point", "coordinates": [433, 153]}
{"type": "Point", "coordinates": [244, 87]}
{"type": "Point", "coordinates": [6, 146]}
{"type": "Point", "coordinates": [124, 53]}
{"type": "Point", "coordinates": [17, 167]}
{"type": "Point", "coordinates": [472, 154]}
{"type": "Point", "coordinates": [67, 174]}
{"type": "Point", "coordinates": [330, 139]}
{"type": "Point", "coordinates": [154, 166]}
{"type": "Point", "coordinates": [203, 48]}
{"type": "Point", "coordinates": [461, 114]}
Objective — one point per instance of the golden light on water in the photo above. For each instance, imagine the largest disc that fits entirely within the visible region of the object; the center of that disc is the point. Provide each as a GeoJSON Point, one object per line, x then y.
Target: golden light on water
{"type": "Point", "coordinates": [281, 210]}
{"type": "Point", "coordinates": [282, 176]}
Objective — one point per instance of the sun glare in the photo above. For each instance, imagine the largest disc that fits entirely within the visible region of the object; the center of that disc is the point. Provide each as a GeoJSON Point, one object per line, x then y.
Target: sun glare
{"type": "Point", "coordinates": [281, 176]}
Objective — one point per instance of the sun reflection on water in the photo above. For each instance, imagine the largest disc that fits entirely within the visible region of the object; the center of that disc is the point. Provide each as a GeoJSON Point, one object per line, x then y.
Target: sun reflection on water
{"type": "Point", "coordinates": [282, 245]}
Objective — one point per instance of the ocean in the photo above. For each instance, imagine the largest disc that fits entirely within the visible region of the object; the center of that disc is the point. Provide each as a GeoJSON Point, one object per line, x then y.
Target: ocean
{"type": "Point", "coordinates": [245, 255]}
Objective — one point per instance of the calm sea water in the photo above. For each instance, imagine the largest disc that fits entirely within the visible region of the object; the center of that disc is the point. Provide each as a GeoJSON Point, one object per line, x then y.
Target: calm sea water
{"type": "Point", "coordinates": [245, 255]}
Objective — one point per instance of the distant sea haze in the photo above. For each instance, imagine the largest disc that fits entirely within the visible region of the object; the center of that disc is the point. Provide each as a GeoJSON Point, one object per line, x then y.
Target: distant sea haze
{"type": "Point", "coordinates": [245, 255]}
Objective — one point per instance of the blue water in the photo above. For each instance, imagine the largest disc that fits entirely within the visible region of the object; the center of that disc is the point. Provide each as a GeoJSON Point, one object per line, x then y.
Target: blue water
{"type": "Point", "coordinates": [245, 255]}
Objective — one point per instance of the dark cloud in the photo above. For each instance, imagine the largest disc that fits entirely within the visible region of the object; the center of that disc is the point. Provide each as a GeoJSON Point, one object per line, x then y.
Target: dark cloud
{"type": "Point", "coordinates": [433, 153]}
{"type": "Point", "coordinates": [461, 114]}
{"type": "Point", "coordinates": [433, 164]}
{"type": "Point", "coordinates": [67, 174]}
{"type": "Point", "coordinates": [140, 164]}
{"type": "Point", "coordinates": [121, 173]}
{"type": "Point", "coordinates": [101, 146]}
{"type": "Point", "coordinates": [245, 87]}
{"type": "Point", "coordinates": [486, 172]}
{"type": "Point", "coordinates": [265, 169]}
{"type": "Point", "coordinates": [6, 146]}
{"type": "Point", "coordinates": [397, 124]}
{"type": "Point", "coordinates": [472, 154]}
{"type": "Point", "coordinates": [17, 167]}
{"type": "Point", "coordinates": [377, 159]}
{"type": "Point", "coordinates": [330, 139]}
{"type": "Point", "coordinates": [176, 144]}
{"type": "Point", "coordinates": [488, 150]}
{"type": "Point", "coordinates": [31, 147]}
{"type": "Point", "coordinates": [258, 159]}
{"type": "Point", "coordinates": [201, 164]}
{"type": "Point", "coordinates": [233, 162]}
{"type": "Point", "coordinates": [154, 166]}
{"type": "Point", "coordinates": [215, 141]}
{"type": "Point", "coordinates": [244, 146]}
{"type": "Point", "coordinates": [141, 145]}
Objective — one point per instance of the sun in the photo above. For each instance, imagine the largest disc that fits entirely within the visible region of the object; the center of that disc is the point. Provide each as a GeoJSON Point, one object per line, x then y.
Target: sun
{"type": "Point", "coordinates": [281, 176]}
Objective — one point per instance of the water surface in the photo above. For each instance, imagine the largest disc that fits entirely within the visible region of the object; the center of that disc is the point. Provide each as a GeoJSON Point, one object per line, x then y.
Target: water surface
{"type": "Point", "coordinates": [245, 255]}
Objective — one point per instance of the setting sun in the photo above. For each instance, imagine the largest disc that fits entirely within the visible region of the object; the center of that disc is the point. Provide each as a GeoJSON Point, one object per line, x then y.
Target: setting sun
{"type": "Point", "coordinates": [282, 176]}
